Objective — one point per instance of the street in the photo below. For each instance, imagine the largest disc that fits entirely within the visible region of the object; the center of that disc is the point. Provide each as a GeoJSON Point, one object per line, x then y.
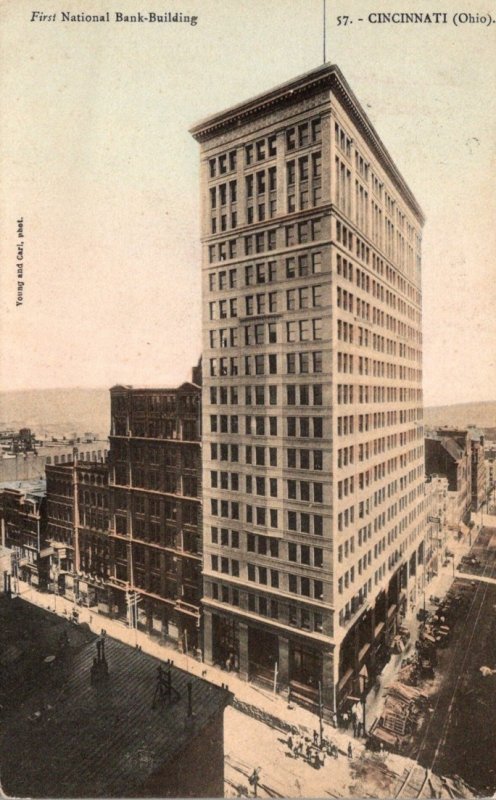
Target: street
{"type": "Point", "coordinates": [458, 737]}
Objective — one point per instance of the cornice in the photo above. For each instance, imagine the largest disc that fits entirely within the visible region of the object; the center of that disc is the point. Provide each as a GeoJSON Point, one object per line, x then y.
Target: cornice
{"type": "Point", "coordinates": [325, 78]}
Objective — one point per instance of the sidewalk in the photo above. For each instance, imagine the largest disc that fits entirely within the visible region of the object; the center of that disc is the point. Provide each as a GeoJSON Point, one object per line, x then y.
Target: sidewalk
{"type": "Point", "coordinates": [437, 587]}
{"type": "Point", "coordinates": [244, 691]}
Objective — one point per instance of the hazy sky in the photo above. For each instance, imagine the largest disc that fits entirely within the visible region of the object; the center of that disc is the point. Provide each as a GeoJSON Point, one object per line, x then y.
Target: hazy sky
{"type": "Point", "coordinates": [98, 161]}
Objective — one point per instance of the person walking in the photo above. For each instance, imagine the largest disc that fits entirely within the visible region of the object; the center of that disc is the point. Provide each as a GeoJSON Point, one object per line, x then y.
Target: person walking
{"type": "Point", "coordinates": [350, 750]}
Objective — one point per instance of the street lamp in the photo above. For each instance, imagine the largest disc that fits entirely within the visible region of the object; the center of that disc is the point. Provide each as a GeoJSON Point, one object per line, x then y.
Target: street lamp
{"type": "Point", "coordinates": [363, 677]}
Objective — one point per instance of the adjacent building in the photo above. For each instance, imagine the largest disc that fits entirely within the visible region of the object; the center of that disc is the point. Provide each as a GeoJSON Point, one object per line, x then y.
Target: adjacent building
{"type": "Point", "coordinates": [126, 535]}
{"type": "Point", "coordinates": [155, 508]}
{"type": "Point", "coordinates": [313, 452]}
{"type": "Point", "coordinates": [448, 453]}
{"type": "Point", "coordinates": [490, 461]}
{"type": "Point", "coordinates": [436, 507]}
{"type": "Point", "coordinates": [27, 459]}
{"type": "Point", "coordinates": [23, 528]}
{"type": "Point", "coordinates": [477, 469]}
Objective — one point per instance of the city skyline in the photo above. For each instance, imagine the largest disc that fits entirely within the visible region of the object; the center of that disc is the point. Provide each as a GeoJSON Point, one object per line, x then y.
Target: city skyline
{"type": "Point", "coordinates": [110, 221]}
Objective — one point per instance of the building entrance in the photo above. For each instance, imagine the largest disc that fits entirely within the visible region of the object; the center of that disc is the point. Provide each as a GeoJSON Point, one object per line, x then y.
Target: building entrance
{"type": "Point", "coordinates": [263, 651]}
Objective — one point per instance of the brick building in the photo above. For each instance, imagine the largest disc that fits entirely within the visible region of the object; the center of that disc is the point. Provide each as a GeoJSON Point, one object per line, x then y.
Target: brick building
{"type": "Point", "coordinates": [155, 507]}
{"type": "Point", "coordinates": [23, 528]}
{"type": "Point", "coordinates": [313, 458]}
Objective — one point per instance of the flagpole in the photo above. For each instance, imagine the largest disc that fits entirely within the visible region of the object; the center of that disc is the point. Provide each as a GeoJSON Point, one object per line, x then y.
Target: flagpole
{"type": "Point", "coordinates": [324, 30]}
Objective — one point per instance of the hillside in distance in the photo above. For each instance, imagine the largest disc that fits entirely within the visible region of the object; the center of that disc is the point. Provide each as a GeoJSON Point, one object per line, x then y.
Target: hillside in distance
{"type": "Point", "coordinates": [483, 415]}
{"type": "Point", "coordinates": [57, 412]}
{"type": "Point", "coordinates": [62, 412]}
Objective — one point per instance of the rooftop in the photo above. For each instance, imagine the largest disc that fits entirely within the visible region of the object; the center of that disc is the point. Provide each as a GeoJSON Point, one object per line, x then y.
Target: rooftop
{"type": "Point", "coordinates": [327, 76]}
{"type": "Point", "coordinates": [32, 487]}
{"type": "Point", "coordinates": [78, 739]}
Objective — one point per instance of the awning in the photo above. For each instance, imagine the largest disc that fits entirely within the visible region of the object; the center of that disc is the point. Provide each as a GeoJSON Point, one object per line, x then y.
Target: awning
{"type": "Point", "coordinates": [48, 551]}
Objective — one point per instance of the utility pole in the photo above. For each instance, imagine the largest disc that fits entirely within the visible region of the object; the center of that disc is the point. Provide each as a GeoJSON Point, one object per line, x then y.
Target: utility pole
{"type": "Point", "coordinates": [275, 677]}
{"type": "Point", "coordinates": [76, 564]}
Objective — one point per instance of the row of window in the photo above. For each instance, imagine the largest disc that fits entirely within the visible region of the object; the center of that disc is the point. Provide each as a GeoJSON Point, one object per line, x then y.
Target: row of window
{"type": "Point", "coordinates": [260, 485]}
{"type": "Point", "coordinates": [266, 272]}
{"type": "Point", "coordinates": [269, 607]}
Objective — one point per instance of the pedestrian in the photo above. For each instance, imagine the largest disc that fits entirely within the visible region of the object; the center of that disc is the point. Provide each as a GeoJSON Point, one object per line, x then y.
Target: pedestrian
{"type": "Point", "coordinates": [290, 742]}
{"type": "Point", "coordinates": [355, 728]}
{"type": "Point", "coordinates": [345, 721]}
{"type": "Point", "coordinates": [350, 750]}
{"type": "Point", "coordinates": [309, 752]}
{"type": "Point", "coordinates": [321, 756]}
{"type": "Point", "coordinates": [315, 738]}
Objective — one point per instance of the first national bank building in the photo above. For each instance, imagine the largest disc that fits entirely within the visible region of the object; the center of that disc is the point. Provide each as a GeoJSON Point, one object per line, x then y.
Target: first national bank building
{"type": "Point", "coordinates": [313, 455]}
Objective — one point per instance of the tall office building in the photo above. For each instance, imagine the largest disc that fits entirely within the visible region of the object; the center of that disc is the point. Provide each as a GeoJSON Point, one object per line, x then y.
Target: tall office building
{"type": "Point", "coordinates": [313, 461]}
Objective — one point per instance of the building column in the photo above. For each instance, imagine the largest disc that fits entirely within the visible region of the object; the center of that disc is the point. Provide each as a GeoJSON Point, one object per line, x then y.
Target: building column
{"type": "Point", "coordinates": [207, 636]}
{"type": "Point", "coordinates": [283, 661]}
{"type": "Point", "coordinates": [243, 651]}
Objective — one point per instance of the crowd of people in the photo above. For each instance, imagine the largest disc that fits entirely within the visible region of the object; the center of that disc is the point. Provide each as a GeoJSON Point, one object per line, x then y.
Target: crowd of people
{"type": "Point", "coordinates": [313, 750]}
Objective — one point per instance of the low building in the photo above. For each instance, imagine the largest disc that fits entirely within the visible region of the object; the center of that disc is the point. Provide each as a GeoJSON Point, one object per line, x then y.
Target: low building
{"type": "Point", "coordinates": [30, 464]}
{"type": "Point", "coordinates": [77, 530]}
{"type": "Point", "coordinates": [101, 719]}
{"type": "Point", "coordinates": [448, 453]}
{"type": "Point", "coordinates": [23, 528]}
{"type": "Point", "coordinates": [436, 500]}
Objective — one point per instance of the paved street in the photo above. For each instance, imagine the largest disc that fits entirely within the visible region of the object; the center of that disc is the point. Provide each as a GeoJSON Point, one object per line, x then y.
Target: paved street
{"type": "Point", "coordinates": [459, 735]}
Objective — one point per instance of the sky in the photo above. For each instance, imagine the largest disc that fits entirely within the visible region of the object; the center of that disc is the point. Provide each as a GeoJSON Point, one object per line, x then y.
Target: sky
{"type": "Point", "coordinates": [98, 162]}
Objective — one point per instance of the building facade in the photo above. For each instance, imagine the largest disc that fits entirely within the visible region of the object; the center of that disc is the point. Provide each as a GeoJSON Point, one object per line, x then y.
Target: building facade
{"type": "Point", "coordinates": [30, 464]}
{"type": "Point", "coordinates": [437, 514]}
{"type": "Point", "coordinates": [155, 508]}
{"type": "Point", "coordinates": [78, 529]}
{"type": "Point", "coordinates": [490, 462]}
{"type": "Point", "coordinates": [23, 528]}
{"type": "Point", "coordinates": [313, 458]}
{"type": "Point", "coordinates": [448, 453]}
{"type": "Point", "coordinates": [477, 469]}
